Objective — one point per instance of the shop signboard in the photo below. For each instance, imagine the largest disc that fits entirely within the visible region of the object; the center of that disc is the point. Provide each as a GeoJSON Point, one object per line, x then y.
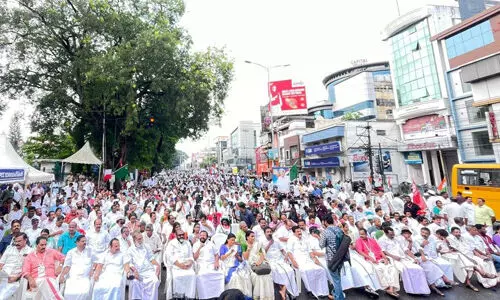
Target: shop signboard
{"type": "Point", "coordinates": [334, 147]}
{"type": "Point", "coordinates": [327, 162]}
{"type": "Point", "coordinates": [10, 175]}
{"type": "Point", "coordinates": [413, 158]}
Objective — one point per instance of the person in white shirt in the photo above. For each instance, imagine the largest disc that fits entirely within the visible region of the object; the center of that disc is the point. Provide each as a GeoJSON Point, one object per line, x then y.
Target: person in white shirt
{"type": "Point", "coordinates": [398, 204]}
{"type": "Point", "coordinates": [436, 224]}
{"type": "Point", "coordinates": [11, 263]}
{"type": "Point", "coordinates": [153, 241]}
{"type": "Point", "coordinates": [146, 269]}
{"type": "Point", "coordinates": [209, 279]}
{"type": "Point", "coordinates": [179, 255]}
{"type": "Point", "coordinates": [124, 239]}
{"type": "Point", "coordinates": [98, 239]}
{"type": "Point", "coordinates": [259, 229]}
{"type": "Point", "coordinates": [451, 211]}
{"type": "Point", "coordinates": [34, 232]}
{"type": "Point", "coordinates": [78, 271]}
{"type": "Point", "coordinates": [467, 211]}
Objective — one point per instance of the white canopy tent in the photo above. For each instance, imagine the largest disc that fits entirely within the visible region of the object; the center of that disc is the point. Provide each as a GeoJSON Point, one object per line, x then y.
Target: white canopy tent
{"type": "Point", "coordinates": [83, 156]}
{"type": "Point", "coordinates": [14, 169]}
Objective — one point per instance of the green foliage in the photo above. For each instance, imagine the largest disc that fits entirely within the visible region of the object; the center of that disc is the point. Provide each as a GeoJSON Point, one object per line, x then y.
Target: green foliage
{"type": "Point", "coordinates": [47, 146]}
{"type": "Point", "coordinates": [208, 161]}
{"type": "Point", "coordinates": [180, 157]}
{"type": "Point", "coordinates": [81, 61]}
{"type": "Point", "coordinates": [349, 116]}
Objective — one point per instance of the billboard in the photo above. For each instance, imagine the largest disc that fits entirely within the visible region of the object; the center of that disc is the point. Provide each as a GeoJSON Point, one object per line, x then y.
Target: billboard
{"type": "Point", "coordinates": [361, 164]}
{"type": "Point", "coordinates": [425, 127]}
{"type": "Point", "coordinates": [287, 98]}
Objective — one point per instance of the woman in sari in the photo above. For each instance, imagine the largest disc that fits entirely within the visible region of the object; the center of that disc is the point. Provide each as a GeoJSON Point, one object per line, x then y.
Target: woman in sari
{"type": "Point", "coordinates": [236, 277]}
{"type": "Point", "coordinates": [263, 286]}
{"type": "Point", "coordinates": [224, 226]}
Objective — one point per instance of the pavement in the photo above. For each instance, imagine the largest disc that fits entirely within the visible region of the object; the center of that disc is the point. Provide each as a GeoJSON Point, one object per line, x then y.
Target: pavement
{"type": "Point", "coordinates": [457, 292]}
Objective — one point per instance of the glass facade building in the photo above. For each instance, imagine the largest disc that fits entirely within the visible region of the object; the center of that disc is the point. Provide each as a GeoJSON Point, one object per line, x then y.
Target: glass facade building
{"type": "Point", "coordinates": [414, 66]}
{"type": "Point", "coordinates": [471, 39]}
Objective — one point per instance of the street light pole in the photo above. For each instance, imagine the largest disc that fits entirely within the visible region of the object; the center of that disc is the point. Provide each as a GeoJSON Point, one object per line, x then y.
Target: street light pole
{"type": "Point", "coordinates": [268, 71]}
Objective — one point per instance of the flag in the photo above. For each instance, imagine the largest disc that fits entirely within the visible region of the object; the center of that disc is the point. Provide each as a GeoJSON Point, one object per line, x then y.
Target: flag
{"type": "Point", "coordinates": [107, 174]}
{"type": "Point", "coordinates": [121, 173]}
{"type": "Point", "coordinates": [294, 172]}
{"type": "Point", "coordinates": [417, 197]}
{"type": "Point", "coordinates": [443, 186]}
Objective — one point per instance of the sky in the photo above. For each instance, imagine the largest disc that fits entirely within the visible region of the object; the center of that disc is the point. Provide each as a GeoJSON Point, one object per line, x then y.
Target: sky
{"type": "Point", "coordinates": [316, 37]}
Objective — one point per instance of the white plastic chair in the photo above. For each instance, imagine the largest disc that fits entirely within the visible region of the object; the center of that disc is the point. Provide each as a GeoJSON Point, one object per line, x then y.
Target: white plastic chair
{"type": "Point", "coordinates": [219, 239]}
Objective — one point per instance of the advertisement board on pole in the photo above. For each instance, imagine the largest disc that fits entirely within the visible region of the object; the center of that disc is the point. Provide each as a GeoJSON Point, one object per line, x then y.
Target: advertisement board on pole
{"type": "Point", "coordinates": [287, 98]}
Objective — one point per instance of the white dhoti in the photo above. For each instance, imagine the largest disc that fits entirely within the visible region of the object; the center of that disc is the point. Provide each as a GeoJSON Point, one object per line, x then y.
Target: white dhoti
{"type": "Point", "coordinates": [209, 282]}
{"type": "Point", "coordinates": [314, 278]}
{"type": "Point", "coordinates": [363, 273]}
{"type": "Point", "coordinates": [486, 267]}
{"type": "Point", "coordinates": [262, 287]}
{"type": "Point", "coordinates": [283, 274]}
{"type": "Point", "coordinates": [445, 266]}
{"type": "Point", "coordinates": [47, 289]}
{"type": "Point", "coordinates": [183, 283]}
{"type": "Point", "coordinates": [433, 273]}
{"type": "Point", "coordinates": [7, 290]}
{"type": "Point", "coordinates": [414, 280]}
{"type": "Point", "coordinates": [144, 288]}
{"type": "Point", "coordinates": [387, 275]}
{"type": "Point", "coordinates": [110, 286]}
{"type": "Point", "coordinates": [462, 266]}
{"type": "Point", "coordinates": [77, 288]}
{"type": "Point", "coordinates": [239, 280]}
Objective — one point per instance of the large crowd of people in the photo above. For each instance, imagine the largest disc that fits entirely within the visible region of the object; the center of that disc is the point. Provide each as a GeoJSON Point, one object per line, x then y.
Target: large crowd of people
{"type": "Point", "coordinates": [212, 234]}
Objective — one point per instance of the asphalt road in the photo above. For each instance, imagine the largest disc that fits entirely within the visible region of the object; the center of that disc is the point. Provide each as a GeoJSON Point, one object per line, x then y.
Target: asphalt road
{"type": "Point", "coordinates": [458, 292]}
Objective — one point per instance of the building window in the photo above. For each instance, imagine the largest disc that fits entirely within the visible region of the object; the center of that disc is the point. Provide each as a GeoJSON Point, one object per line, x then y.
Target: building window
{"type": "Point", "coordinates": [475, 114]}
{"type": "Point", "coordinates": [471, 39]}
{"type": "Point", "coordinates": [482, 145]}
{"type": "Point", "coordinates": [381, 132]}
{"type": "Point", "coordinates": [287, 155]}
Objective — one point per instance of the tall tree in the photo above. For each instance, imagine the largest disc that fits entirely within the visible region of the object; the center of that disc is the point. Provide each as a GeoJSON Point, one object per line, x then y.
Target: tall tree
{"type": "Point", "coordinates": [127, 63]}
{"type": "Point", "coordinates": [15, 136]}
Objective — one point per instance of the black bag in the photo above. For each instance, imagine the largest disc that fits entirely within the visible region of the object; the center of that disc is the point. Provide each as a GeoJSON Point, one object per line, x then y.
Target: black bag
{"type": "Point", "coordinates": [263, 269]}
{"type": "Point", "coordinates": [341, 255]}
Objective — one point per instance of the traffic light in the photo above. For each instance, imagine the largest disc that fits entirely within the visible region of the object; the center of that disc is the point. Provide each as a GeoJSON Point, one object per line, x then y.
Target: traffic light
{"type": "Point", "coordinates": [151, 122]}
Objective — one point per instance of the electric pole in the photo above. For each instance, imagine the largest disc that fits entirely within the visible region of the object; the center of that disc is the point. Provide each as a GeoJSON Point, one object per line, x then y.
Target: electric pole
{"type": "Point", "coordinates": [366, 133]}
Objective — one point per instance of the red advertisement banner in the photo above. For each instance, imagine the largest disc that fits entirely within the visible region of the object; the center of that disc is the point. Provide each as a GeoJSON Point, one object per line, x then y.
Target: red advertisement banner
{"type": "Point", "coordinates": [289, 97]}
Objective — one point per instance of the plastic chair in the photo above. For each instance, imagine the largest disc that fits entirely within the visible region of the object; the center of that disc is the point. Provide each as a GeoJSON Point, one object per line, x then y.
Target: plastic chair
{"type": "Point", "coordinates": [219, 239]}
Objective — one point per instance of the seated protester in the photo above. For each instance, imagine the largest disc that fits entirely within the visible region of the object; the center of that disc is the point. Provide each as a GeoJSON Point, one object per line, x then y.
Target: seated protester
{"type": "Point", "coordinates": [435, 277]}
{"type": "Point", "coordinates": [312, 273]}
{"type": "Point", "coordinates": [179, 255]}
{"type": "Point", "coordinates": [263, 287]}
{"type": "Point", "coordinates": [387, 274]}
{"type": "Point", "coordinates": [230, 255]}
{"type": "Point", "coordinates": [224, 226]}
{"type": "Point", "coordinates": [142, 262]}
{"type": "Point", "coordinates": [108, 275]}
{"type": "Point", "coordinates": [78, 271]}
{"type": "Point", "coordinates": [34, 231]}
{"type": "Point", "coordinates": [67, 241]}
{"type": "Point", "coordinates": [11, 263]}
{"type": "Point", "coordinates": [207, 225]}
{"type": "Point", "coordinates": [209, 278]}
{"type": "Point", "coordinates": [414, 280]}
{"type": "Point", "coordinates": [361, 276]}
{"type": "Point", "coordinates": [282, 273]}
{"type": "Point", "coordinates": [153, 241]}
{"type": "Point", "coordinates": [490, 248]}
{"type": "Point", "coordinates": [482, 256]}
{"type": "Point", "coordinates": [39, 268]}
{"type": "Point", "coordinates": [428, 244]}
{"type": "Point", "coordinates": [7, 238]}
{"type": "Point", "coordinates": [97, 238]}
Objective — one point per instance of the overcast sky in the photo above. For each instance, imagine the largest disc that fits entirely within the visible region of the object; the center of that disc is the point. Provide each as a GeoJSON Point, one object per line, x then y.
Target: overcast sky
{"type": "Point", "coordinates": [316, 37]}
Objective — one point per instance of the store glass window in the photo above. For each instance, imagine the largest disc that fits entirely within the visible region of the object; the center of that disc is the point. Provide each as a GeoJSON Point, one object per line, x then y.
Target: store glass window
{"type": "Point", "coordinates": [475, 114]}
